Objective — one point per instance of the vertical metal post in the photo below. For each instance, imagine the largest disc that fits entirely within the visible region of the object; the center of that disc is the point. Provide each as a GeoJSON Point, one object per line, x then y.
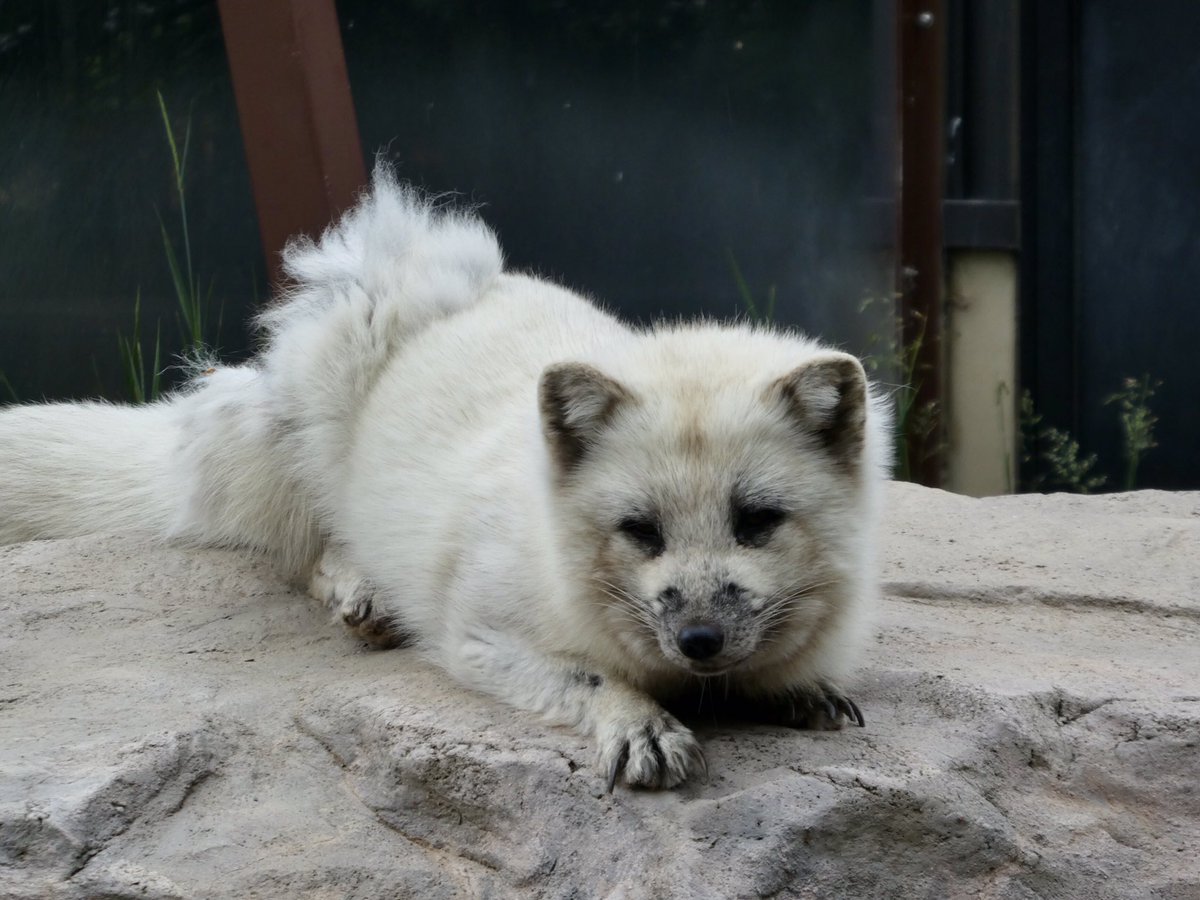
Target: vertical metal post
{"type": "Point", "coordinates": [921, 38]}
{"type": "Point", "coordinates": [297, 115]}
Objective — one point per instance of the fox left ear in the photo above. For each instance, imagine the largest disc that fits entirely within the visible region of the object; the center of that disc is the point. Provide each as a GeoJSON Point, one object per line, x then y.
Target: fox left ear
{"type": "Point", "coordinates": [827, 398]}
{"type": "Point", "coordinates": [576, 402]}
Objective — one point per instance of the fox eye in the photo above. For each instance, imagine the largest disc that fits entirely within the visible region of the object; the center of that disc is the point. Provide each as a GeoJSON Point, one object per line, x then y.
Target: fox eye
{"type": "Point", "coordinates": [754, 525]}
{"type": "Point", "coordinates": [645, 532]}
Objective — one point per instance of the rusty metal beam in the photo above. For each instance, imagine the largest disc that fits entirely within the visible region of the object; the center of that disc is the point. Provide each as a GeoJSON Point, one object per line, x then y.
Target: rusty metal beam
{"type": "Point", "coordinates": [921, 53]}
{"type": "Point", "coordinates": [297, 115]}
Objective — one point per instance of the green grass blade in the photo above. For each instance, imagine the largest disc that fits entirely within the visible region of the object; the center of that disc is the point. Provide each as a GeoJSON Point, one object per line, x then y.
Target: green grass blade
{"type": "Point", "coordinates": [181, 169]}
{"type": "Point", "coordinates": [156, 377]}
{"type": "Point", "coordinates": [190, 324]}
{"type": "Point", "coordinates": [176, 163]}
{"type": "Point", "coordinates": [130, 350]}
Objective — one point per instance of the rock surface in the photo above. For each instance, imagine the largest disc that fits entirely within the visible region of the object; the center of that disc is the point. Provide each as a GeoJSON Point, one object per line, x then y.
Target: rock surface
{"type": "Point", "coordinates": [176, 723]}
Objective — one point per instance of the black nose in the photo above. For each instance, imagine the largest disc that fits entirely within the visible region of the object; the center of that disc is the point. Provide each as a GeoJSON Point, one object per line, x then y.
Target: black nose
{"type": "Point", "coordinates": [700, 641]}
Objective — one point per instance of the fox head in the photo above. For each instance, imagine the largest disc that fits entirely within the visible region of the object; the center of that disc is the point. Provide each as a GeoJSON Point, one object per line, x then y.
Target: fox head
{"type": "Point", "coordinates": [709, 493]}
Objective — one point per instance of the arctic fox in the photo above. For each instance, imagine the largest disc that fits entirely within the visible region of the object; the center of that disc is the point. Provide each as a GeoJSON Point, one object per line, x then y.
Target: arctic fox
{"type": "Point", "coordinates": [577, 517]}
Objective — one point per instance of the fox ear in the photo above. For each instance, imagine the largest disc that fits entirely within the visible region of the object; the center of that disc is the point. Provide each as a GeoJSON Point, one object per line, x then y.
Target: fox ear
{"type": "Point", "coordinates": [827, 398]}
{"type": "Point", "coordinates": [576, 402]}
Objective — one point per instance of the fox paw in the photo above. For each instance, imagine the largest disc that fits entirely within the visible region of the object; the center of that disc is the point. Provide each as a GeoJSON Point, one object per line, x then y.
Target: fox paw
{"type": "Point", "coordinates": [822, 708]}
{"type": "Point", "coordinates": [655, 752]}
{"type": "Point", "coordinates": [352, 599]}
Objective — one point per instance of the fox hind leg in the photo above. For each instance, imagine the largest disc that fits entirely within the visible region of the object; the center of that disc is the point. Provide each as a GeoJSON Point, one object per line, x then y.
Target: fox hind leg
{"type": "Point", "coordinates": [353, 599]}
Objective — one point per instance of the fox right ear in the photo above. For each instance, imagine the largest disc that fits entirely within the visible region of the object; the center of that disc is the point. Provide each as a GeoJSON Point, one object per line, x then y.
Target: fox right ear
{"type": "Point", "coordinates": [576, 402]}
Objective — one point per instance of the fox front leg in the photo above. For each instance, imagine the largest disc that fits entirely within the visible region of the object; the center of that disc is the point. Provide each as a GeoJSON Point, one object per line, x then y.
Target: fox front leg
{"type": "Point", "coordinates": [817, 707]}
{"type": "Point", "coordinates": [637, 741]}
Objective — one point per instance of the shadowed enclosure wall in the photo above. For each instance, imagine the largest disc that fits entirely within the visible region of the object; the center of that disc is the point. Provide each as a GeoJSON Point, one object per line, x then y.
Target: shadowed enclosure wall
{"type": "Point", "coordinates": [669, 158]}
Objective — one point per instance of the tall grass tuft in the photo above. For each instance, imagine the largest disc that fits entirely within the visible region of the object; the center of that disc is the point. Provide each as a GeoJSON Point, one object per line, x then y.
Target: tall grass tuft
{"type": "Point", "coordinates": [143, 385]}
{"type": "Point", "coordinates": [1069, 468]}
{"type": "Point", "coordinates": [193, 304]}
{"type": "Point", "coordinates": [1137, 422]}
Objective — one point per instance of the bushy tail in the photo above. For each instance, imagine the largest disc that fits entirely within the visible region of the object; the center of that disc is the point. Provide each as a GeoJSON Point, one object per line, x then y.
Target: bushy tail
{"type": "Point", "coordinates": [69, 469]}
{"type": "Point", "coordinates": [392, 265]}
{"type": "Point", "coordinates": [206, 465]}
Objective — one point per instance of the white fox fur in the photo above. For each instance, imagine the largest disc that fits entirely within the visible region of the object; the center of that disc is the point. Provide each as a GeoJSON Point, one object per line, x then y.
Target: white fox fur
{"type": "Point", "coordinates": [579, 518]}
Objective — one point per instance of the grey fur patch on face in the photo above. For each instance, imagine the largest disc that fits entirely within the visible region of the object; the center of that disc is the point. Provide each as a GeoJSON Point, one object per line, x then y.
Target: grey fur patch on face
{"type": "Point", "coordinates": [589, 679]}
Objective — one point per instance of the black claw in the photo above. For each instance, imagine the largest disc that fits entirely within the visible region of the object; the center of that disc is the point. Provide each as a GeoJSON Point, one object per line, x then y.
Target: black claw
{"type": "Point", "coordinates": [830, 710]}
{"type": "Point", "coordinates": [703, 763]}
{"type": "Point", "coordinates": [660, 759]}
{"type": "Point", "coordinates": [851, 710]}
{"type": "Point", "coordinates": [862, 723]}
{"type": "Point", "coordinates": [617, 766]}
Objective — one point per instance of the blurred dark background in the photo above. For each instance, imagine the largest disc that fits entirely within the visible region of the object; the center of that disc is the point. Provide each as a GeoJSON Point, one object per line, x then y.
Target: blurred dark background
{"type": "Point", "coordinates": [648, 154]}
